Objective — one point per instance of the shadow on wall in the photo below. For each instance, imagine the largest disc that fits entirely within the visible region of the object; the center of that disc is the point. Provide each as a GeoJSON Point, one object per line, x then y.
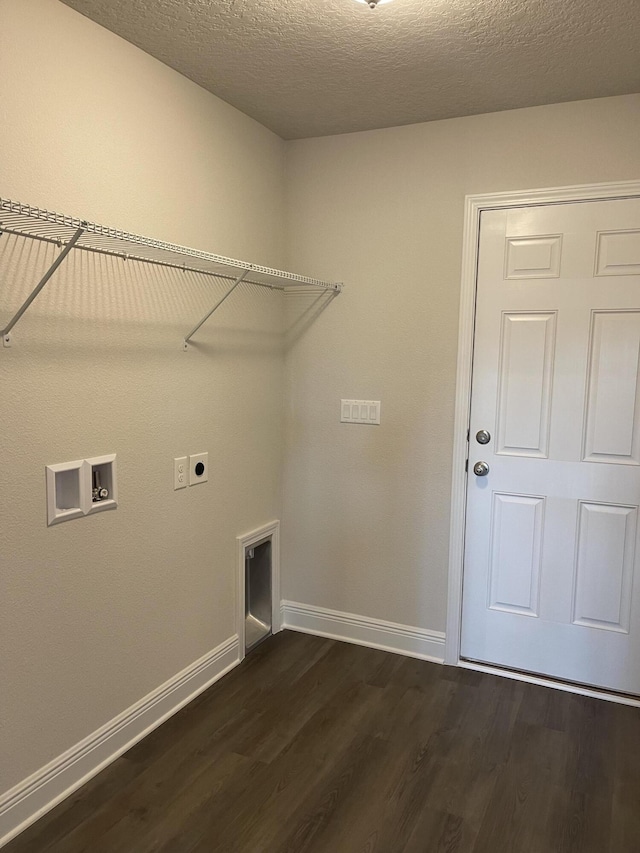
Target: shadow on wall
{"type": "Point", "coordinates": [96, 301]}
{"type": "Point", "coordinates": [302, 310]}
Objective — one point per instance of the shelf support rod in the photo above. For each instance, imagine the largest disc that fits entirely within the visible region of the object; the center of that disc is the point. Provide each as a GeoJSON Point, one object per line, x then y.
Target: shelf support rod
{"type": "Point", "coordinates": [215, 307]}
{"type": "Point", "coordinates": [45, 278]}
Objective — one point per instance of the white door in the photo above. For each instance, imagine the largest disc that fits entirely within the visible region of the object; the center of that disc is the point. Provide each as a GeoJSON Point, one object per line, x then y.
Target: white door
{"type": "Point", "coordinates": [551, 576]}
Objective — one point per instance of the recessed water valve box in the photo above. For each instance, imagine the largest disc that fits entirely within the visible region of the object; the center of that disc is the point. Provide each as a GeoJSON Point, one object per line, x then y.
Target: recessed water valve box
{"type": "Point", "coordinates": [65, 491]}
{"type": "Point", "coordinates": [100, 473]}
{"type": "Point", "coordinates": [81, 488]}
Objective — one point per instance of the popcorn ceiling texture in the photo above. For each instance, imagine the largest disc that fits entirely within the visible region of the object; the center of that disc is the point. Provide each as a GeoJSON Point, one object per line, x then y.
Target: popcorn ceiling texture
{"type": "Point", "coordinates": [333, 66]}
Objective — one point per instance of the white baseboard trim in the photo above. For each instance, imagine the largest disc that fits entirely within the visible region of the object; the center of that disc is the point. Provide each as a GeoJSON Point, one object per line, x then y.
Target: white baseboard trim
{"type": "Point", "coordinates": [364, 631]}
{"type": "Point", "coordinates": [36, 795]}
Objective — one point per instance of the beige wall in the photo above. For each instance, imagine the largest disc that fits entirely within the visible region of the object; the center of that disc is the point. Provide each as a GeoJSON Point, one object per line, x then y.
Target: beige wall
{"type": "Point", "coordinates": [367, 508]}
{"type": "Point", "coordinates": [95, 613]}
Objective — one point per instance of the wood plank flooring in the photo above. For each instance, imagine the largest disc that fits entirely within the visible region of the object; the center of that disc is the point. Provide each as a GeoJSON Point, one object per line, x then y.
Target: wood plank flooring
{"type": "Point", "coordinates": [318, 746]}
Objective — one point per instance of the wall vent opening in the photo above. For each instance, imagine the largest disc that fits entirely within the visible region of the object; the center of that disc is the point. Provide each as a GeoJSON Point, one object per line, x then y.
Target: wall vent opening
{"type": "Point", "coordinates": [258, 589]}
{"type": "Point", "coordinates": [257, 594]}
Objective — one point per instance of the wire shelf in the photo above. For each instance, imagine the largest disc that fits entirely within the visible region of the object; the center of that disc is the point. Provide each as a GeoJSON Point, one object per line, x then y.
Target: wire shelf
{"type": "Point", "coordinates": [27, 221]}
{"type": "Point", "coordinates": [69, 233]}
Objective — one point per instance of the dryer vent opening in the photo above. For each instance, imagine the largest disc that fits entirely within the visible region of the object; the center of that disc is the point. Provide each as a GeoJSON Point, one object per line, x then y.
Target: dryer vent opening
{"type": "Point", "coordinates": [257, 593]}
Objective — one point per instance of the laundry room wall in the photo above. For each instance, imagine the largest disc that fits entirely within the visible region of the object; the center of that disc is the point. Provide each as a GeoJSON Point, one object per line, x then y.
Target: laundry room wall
{"type": "Point", "coordinates": [367, 507]}
{"type": "Point", "coordinates": [97, 612]}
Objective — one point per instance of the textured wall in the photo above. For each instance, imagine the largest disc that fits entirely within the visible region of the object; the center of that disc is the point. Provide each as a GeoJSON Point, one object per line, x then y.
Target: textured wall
{"type": "Point", "coordinates": [96, 612]}
{"type": "Point", "coordinates": [367, 508]}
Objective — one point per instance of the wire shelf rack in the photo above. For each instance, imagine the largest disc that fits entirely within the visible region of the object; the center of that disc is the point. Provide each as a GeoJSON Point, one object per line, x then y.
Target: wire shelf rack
{"type": "Point", "coordinates": [68, 233]}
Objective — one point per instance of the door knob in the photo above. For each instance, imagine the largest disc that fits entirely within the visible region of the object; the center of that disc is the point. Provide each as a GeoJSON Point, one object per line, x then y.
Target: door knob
{"type": "Point", "coordinates": [481, 469]}
{"type": "Point", "coordinates": [483, 436]}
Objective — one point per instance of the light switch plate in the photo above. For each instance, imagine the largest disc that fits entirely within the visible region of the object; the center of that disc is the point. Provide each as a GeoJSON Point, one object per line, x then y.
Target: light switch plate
{"type": "Point", "coordinates": [360, 411]}
{"type": "Point", "coordinates": [199, 462]}
{"type": "Point", "coordinates": [180, 473]}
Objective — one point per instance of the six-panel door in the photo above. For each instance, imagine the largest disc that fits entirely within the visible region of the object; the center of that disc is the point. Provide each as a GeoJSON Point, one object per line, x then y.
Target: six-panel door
{"type": "Point", "coordinates": [551, 581]}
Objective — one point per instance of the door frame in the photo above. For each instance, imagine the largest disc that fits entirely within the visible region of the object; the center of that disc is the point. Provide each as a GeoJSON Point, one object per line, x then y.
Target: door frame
{"type": "Point", "coordinates": [474, 205]}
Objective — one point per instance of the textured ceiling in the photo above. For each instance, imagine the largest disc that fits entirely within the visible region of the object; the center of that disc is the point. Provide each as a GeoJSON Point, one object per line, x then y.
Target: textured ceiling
{"type": "Point", "coordinates": [306, 68]}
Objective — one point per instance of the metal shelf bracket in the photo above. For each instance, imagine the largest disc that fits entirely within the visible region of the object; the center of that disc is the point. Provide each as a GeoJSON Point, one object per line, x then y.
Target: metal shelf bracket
{"type": "Point", "coordinates": [5, 333]}
{"type": "Point", "coordinates": [185, 343]}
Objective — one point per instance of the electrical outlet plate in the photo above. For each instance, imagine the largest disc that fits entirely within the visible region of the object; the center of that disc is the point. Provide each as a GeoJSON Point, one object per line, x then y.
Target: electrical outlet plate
{"type": "Point", "coordinates": [195, 461]}
{"type": "Point", "coordinates": [180, 473]}
{"type": "Point", "coordinates": [360, 411]}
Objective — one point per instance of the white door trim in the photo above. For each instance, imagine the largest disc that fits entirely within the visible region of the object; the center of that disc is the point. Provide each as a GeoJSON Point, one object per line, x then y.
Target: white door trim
{"type": "Point", "coordinates": [474, 205]}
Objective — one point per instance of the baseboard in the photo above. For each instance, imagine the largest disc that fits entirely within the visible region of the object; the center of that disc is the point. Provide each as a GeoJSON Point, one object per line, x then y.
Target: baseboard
{"type": "Point", "coordinates": [32, 798]}
{"type": "Point", "coordinates": [364, 631]}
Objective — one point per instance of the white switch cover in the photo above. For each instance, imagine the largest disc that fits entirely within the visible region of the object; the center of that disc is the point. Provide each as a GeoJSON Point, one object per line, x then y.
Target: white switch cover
{"type": "Point", "coordinates": [180, 473]}
{"type": "Point", "coordinates": [198, 468]}
{"type": "Point", "coordinates": [360, 411]}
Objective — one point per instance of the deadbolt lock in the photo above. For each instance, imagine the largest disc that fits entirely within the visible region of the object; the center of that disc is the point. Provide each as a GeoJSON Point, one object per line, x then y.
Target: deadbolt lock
{"type": "Point", "coordinates": [483, 436]}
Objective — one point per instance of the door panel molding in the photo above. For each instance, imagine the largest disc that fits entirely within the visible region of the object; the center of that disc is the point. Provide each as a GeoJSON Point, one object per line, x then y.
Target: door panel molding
{"type": "Point", "coordinates": [597, 605]}
{"type": "Point", "coordinates": [518, 592]}
{"type": "Point", "coordinates": [526, 347]}
{"type": "Point", "coordinates": [612, 362]}
{"type": "Point", "coordinates": [474, 205]}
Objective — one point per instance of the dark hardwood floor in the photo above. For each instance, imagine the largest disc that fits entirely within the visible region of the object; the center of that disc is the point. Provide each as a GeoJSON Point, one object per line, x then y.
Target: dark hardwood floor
{"type": "Point", "coordinates": [314, 745]}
